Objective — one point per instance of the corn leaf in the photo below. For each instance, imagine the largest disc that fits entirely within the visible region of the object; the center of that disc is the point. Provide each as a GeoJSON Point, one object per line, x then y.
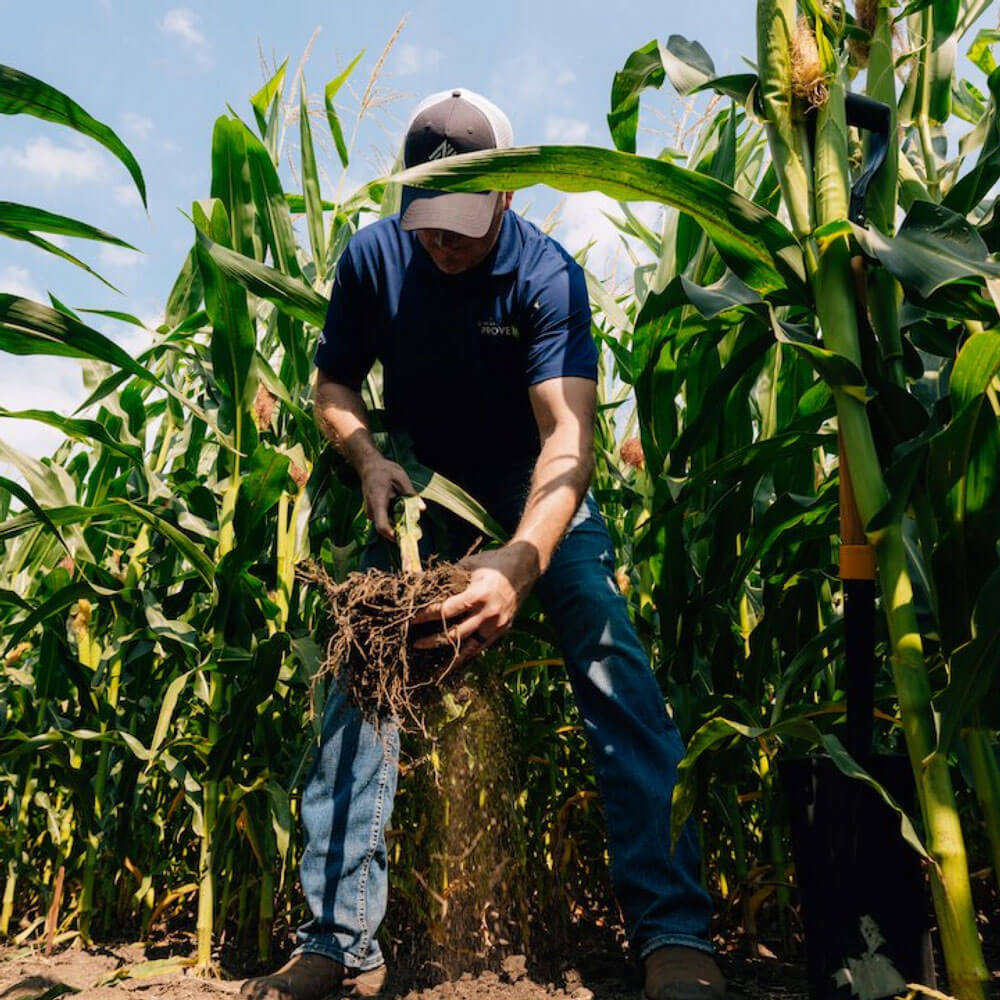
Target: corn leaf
{"type": "Point", "coordinates": [21, 94]}
{"type": "Point", "coordinates": [17, 490]}
{"type": "Point", "coordinates": [971, 189]}
{"type": "Point", "coordinates": [167, 708]}
{"type": "Point", "coordinates": [719, 730]}
{"type": "Point", "coordinates": [57, 251]}
{"type": "Point", "coordinates": [202, 564]}
{"type": "Point", "coordinates": [297, 204]}
{"type": "Point", "coordinates": [451, 496]}
{"type": "Point", "coordinates": [331, 112]}
{"type": "Point", "coordinates": [728, 293]}
{"type": "Point", "coordinates": [934, 247]}
{"type": "Point", "coordinates": [233, 337]}
{"type": "Point", "coordinates": [186, 294]}
{"type": "Point", "coordinates": [755, 245]}
{"type": "Point", "coordinates": [928, 87]}
{"type": "Point", "coordinates": [963, 484]}
{"type": "Point", "coordinates": [58, 602]}
{"type": "Point", "coordinates": [291, 296]}
{"type": "Point", "coordinates": [837, 371]}
{"type": "Point", "coordinates": [30, 328]}
{"type": "Point", "coordinates": [264, 480]}
{"type": "Point", "coordinates": [272, 208]}
{"type": "Point", "coordinates": [975, 367]}
{"type": "Point", "coordinates": [122, 317]}
{"type": "Point", "coordinates": [974, 669]}
{"type": "Point", "coordinates": [231, 183]}
{"type": "Point", "coordinates": [28, 219]}
{"type": "Point", "coordinates": [268, 95]}
{"type": "Point", "coordinates": [310, 186]}
{"type": "Point", "coordinates": [80, 430]}
{"type": "Point", "coordinates": [642, 69]}
{"type": "Point", "coordinates": [56, 517]}
{"type": "Point", "coordinates": [686, 63]}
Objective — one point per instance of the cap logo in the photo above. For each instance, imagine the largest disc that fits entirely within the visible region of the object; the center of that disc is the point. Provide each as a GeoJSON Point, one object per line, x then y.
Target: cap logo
{"type": "Point", "coordinates": [445, 149]}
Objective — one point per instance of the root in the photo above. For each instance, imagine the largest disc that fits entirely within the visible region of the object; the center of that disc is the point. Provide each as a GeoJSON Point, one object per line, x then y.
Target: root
{"type": "Point", "coordinates": [370, 648]}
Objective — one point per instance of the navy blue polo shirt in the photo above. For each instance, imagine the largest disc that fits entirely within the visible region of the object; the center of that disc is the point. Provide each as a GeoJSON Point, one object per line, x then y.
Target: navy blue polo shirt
{"type": "Point", "coordinates": [459, 351]}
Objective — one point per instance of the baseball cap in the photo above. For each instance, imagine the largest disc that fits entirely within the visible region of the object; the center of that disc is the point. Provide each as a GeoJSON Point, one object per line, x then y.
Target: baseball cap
{"type": "Point", "coordinates": [446, 124]}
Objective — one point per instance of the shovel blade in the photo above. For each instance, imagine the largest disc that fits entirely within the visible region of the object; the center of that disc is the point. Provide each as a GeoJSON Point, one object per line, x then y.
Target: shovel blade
{"type": "Point", "coordinates": [863, 895]}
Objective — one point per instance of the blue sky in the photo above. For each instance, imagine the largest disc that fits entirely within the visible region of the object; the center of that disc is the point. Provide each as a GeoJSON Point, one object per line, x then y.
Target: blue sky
{"type": "Point", "coordinates": [159, 73]}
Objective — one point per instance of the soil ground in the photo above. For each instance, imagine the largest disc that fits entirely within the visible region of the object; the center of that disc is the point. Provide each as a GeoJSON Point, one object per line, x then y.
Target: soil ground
{"type": "Point", "coordinates": [128, 972]}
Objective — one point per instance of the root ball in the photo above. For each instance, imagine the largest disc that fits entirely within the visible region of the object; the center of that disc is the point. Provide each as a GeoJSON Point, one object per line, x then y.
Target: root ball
{"type": "Point", "coordinates": [370, 649]}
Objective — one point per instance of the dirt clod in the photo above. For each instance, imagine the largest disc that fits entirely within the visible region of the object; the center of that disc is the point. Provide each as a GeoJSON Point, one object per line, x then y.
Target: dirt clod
{"type": "Point", "coordinates": [370, 648]}
{"type": "Point", "coordinates": [515, 967]}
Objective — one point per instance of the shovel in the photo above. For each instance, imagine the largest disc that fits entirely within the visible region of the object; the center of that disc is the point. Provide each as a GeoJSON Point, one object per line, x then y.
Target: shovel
{"type": "Point", "coordinates": [862, 891]}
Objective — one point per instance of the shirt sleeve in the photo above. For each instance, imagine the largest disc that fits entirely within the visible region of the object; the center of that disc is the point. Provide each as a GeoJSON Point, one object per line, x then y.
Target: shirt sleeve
{"type": "Point", "coordinates": [346, 348]}
{"type": "Point", "coordinates": [558, 316]}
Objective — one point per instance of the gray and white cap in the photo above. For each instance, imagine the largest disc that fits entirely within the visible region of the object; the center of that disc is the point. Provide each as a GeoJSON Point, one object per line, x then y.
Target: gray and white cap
{"type": "Point", "coordinates": [446, 124]}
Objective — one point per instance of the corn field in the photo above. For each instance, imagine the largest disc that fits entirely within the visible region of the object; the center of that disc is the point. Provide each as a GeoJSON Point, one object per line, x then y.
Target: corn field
{"type": "Point", "coordinates": [157, 706]}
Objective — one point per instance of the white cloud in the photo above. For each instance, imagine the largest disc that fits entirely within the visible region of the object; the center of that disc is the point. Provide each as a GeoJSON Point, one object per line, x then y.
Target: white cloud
{"type": "Point", "coordinates": [126, 195]}
{"type": "Point", "coordinates": [44, 160]}
{"type": "Point", "coordinates": [529, 79]}
{"type": "Point", "coordinates": [133, 339]}
{"type": "Point", "coordinates": [412, 59]}
{"type": "Point", "coordinates": [183, 23]}
{"type": "Point", "coordinates": [582, 222]}
{"type": "Point", "coordinates": [112, 256]}
{"type": "Point", "coordinates": [16, 280]}
{"type": "Point", "coordinates": [136, 126]}
{"type": "Point", "coordinates": [566, 130]}
{"type": "Point", "coordinates": [42, 383]}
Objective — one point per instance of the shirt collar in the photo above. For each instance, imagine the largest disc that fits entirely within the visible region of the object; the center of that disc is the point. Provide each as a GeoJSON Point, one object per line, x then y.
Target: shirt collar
{"type": "Point", "coordinates": [503, 258]}
{"type": "Point", "coordinates": [507, 253]}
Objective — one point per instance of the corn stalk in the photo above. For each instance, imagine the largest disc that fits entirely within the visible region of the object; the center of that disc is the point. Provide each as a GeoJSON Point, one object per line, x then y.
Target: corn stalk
{"type": "Point", "coordinates": [833, 290]}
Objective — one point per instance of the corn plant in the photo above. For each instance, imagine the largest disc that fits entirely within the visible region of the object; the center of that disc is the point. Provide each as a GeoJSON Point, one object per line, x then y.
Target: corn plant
{"type": "Point", "coordinates": [756, 319]}
{"type": "Point", "coordinates": [27, 327]}
{"type": "Point", "coordinates": [169, 535]}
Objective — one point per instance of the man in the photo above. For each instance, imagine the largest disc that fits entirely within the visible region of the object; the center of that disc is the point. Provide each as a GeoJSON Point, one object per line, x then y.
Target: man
{"type": "Point", "coordinates": [482, 326]}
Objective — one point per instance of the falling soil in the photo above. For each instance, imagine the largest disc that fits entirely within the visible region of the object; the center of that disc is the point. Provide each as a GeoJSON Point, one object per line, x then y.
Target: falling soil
{"type": "Point", "coordinates": [464, 842]}
{"type": "Point", "coordinates": [370, 650]}
{"type": "Point", "coordinates": [468, 905]}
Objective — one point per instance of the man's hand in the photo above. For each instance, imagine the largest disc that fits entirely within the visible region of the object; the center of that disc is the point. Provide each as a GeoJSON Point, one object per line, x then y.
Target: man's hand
{"type": "Point", "coordinates": [501, 580]}
{"type": "Point", "coordinates": [381, 482]}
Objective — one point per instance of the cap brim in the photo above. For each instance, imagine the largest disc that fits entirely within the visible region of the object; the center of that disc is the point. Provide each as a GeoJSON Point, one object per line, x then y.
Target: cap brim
{"type": "Point", "coordinates": [463, 213]}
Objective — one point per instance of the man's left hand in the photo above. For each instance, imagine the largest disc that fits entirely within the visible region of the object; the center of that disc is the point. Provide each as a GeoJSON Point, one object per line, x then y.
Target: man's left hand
{"type": "Point", "coordinates": [501, 580]}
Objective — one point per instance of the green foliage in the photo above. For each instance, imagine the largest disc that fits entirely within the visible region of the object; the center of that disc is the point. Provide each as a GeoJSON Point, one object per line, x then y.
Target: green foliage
{"type": "Point", "coordinates": [159, 649]}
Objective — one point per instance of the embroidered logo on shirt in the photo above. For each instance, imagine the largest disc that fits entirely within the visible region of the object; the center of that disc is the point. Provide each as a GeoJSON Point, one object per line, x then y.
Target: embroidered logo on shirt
{"type": "Point", "coordinates": [491, 328]}
{"type": "Point", "coordinates": [445, 149]}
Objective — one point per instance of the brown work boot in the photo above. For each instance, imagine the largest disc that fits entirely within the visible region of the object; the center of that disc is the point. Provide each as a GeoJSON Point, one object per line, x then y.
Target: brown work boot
{"type": "Point", "coordinates": [309, 976]}
{"type": "Point", "coordinates": [678, 973]}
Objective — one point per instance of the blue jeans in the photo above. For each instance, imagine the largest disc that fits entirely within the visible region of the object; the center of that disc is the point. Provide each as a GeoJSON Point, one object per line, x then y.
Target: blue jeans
{"type": "Point", "coordinates": [635, 749]}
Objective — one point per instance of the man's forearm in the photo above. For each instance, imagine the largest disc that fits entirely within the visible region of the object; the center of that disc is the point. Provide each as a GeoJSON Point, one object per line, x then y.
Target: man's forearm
{"type": "Point", "coordinates": [341, 416]}
{"type": "Point", "coordinates": [558, 485]}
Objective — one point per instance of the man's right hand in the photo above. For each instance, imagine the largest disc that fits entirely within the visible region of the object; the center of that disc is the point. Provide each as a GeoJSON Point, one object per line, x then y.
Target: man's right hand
{"type": "Point", "coordinates": [381, 482]}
